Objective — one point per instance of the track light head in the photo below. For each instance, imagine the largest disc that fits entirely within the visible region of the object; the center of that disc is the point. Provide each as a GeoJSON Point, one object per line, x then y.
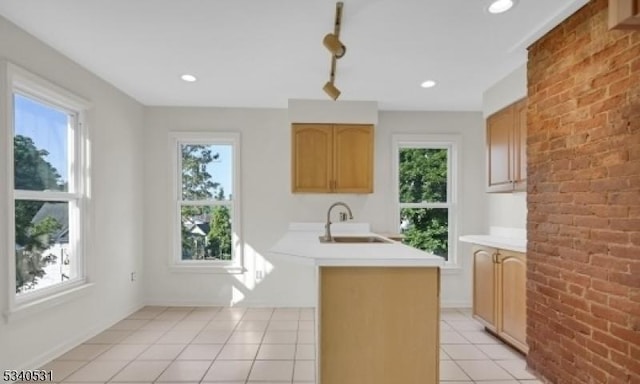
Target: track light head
{"type": "Point", "coordinates": [334, 45]}
{"type": "Point", "coordinates": [331, 90]}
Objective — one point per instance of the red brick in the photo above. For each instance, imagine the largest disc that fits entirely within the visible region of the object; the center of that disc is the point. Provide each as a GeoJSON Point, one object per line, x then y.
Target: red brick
{"type": "Point", "coordinates": [597, 348]}
{"type": "Point", "coordinates": [624, 305]}
{"type": "Point", "coordinates": [609, 287]}
{"type": "Point", "coordinates": [624, 251]}
{"type": "Point", "coordinates": [589, 318]}
{"type": "Point", "coordinates": [609, 184]}
{"type": "Point", "coordinates": [578, 279]}
{"type": "Point", "coordinates": [609, 210]}
{"type": "Point", "coordinates": [609, 314]}
{"type": "Point", "coordinates": [596, 274]}
{"type": "Point", "coordinates": [590, 198]}
{"type": "Point", "coordinates": [623, 333]}
{"type": "Point", "coordinates": [625, 224]}
{"type": "Point", "coordinates": [583, 292]}
{"type": "Point", "coordinates": [557, 284]}
{"type": "Point", "coordinates": [625, 169]}
{"type": "Point", "coordinates": [608, 236]}
{"type": "Point", "coordinates": [619, 73]}
{"type": "Point", "coordinates": [591, 221]}
{"type": "Point", "coordinates": [611, 341]}
{"type": "Point", "coordinates": [625, 279]}
{"type": "Point", "coordinates": [610, 263]}
{"type": "Point", "coordinates": [597, 94]}
{"type": "Point", "coordinates": [575, 302]}
{"type": "Point", "coordinates": [592, 246]}
{"type": "Point", "coordinates": [624, 361]}
{"type": "Point", "coordinates": [606, 365]}
{"type": "Point", "coordinates": [576, 290]}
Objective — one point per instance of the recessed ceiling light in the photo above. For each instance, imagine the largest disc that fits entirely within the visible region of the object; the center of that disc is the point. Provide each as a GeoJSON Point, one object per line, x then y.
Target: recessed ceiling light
{"type": "Point", "coordinates": [188, 78]}
{"type": "Point", "coordinates": [428, 84]}
{"type": "Point", "coordinates": [500, 6]}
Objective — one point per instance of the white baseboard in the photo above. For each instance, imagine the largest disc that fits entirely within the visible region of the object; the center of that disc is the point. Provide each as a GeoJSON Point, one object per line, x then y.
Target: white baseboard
{"type": "Point", "coordinates": [45, 357]}
{"type": "Point", "coordinates": [455, 304]}
{"type": "Point", "coordinates": [242, 304]}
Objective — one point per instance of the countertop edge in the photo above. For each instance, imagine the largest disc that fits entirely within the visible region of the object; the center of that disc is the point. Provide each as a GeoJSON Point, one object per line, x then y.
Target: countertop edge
{"type": "Point", "coordinates": [298, 252]}
{"type": "Point", "coordinates": [515, 245]}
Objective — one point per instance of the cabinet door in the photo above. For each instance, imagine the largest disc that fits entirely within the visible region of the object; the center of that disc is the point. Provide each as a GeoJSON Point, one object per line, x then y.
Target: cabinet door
{"type": "Point", "coordinates": [499, 150]}
{"type": "Point", "coordinates": [312, 157]}
{"type": "Point", "coordinates": [378, 325]}
{"type": "Point", "coordinates": [520, 146]}
{"type": "Point", "coordinates": [484, 287]}
{"type": "Point", "coordinates": [353, 161]}
{"type": "Point", "coordinates": [513, 298]}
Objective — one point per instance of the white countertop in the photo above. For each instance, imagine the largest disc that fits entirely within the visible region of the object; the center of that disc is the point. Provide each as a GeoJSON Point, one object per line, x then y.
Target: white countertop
{"type": "Point", "coordinates": [301, 243]}
{"type": "Point", "coordinates": [508, 243]}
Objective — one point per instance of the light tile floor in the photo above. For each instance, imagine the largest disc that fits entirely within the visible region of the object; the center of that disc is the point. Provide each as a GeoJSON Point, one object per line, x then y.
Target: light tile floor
{"type": "Point", "coordinates": [257, 345]}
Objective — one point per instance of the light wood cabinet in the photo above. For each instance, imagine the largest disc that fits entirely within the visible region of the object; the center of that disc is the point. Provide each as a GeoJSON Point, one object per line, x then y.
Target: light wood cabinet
{"type": "Point", "coordinates": [499, 294]}
{"type": "Point", "coordinates": [484, 295]}
{"type": "Point", "coordinates": [624, 14]}
{"type": "Point", "coordinates": [379, 325]}
{"type": "Point", "coordinates": [512, 310]}
{"type": "Point", "coordinates": [332, 158]}
{"type": "Point", "coordinates": [507, 149]}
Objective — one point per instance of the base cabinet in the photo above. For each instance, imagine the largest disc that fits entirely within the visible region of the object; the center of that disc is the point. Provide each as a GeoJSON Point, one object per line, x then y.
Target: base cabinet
{"type": "Point", "coordinates": [379, 325]}
{"type": "Point", "coordinates": [484, 294]}
{"type": "Point", "coordinates": [499, 294]}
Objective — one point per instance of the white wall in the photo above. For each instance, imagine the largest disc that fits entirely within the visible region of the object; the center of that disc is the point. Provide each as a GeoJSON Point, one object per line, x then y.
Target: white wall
{"type": "Point", "coordinates": [268, 204]}
{"type": "Point", "coordinates": [506, 209]}
{"type": "Point", "coordinates": [116, 246]}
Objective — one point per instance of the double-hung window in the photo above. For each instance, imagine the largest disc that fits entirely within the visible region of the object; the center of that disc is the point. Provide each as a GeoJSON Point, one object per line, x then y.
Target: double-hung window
{"type": "Point", "coordinates": [48, 171]}
{"type": "Point", "coordinates": [425, 179]}
{"type": "Point", "coordinates": [206, 195]}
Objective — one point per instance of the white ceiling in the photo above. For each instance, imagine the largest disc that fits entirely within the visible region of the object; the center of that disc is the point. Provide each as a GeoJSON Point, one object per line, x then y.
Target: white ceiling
{"type": "Point", "coordinates": [260, 53]}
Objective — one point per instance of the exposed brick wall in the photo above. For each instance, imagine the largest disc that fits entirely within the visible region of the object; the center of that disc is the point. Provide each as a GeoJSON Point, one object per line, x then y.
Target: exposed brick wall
{"type": "Point", "coordinates": [583, 287]}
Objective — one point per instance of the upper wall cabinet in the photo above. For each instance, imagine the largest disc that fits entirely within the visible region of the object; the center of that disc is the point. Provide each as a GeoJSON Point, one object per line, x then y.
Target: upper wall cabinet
{"type": "Point", "coordinates": [332, 158]}
{"type": "Point", "coordinates": [624, 14]}
{"type": "Point", "coordinates": [507, 149]}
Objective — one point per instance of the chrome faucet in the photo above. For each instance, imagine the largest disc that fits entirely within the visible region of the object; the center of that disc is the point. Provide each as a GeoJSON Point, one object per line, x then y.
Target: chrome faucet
{"type": "Point", "coordinates": [327, 227]}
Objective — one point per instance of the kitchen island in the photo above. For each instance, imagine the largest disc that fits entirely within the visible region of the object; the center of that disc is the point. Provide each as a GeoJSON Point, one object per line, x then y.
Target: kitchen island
{"type": "Point", "coordinates": [378, 305]}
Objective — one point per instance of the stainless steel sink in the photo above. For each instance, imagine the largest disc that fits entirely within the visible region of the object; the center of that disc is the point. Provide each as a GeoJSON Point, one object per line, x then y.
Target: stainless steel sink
{"type": "Point", "coordinates": [356, 240]}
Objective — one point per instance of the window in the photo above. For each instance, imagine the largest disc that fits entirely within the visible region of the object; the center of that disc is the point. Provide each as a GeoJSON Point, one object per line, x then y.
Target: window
{"type": "Point", "coordinates": [207, 204]}
{"type": "Point", "coordinates": [425, 179]}
{"type": "Point", "coordinates": [48, 174]}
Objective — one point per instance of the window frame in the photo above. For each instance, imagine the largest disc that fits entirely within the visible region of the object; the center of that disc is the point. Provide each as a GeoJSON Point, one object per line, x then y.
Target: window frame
{"type": "Point", "coordinates": [452, 143]}
{"type": "Point", "coordinates": [22, 82]}
{"type": "Point", "coordinates": [176, 264]}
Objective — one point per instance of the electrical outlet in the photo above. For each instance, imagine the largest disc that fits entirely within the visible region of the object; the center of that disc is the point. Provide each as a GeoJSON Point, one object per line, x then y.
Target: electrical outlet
{"type": "Point", "coordinates": [259, 275]}
{"type": "Point", "coordinates": [133, 276]}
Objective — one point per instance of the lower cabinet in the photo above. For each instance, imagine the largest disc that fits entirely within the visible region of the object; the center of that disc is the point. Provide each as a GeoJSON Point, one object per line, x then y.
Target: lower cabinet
{"type": "Point", "coordinates": [499, 294]}
{"type": "Point", "coordinates": [484, 287]}
{"type": "Point", "coordinates": [379, 325]}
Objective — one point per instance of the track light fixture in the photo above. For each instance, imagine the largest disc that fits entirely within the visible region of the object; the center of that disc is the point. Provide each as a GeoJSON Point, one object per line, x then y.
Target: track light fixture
{"type": "Point", "coordinates": [334, 45]}
{"type": "Point", "coordinates": [332, 42]}
{"type": "Point", "coordinates": [331, 90]}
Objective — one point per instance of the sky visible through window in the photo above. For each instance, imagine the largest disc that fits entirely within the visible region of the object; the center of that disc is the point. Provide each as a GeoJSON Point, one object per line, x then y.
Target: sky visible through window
{"type": "Point", "coordinates": [221, 168]}
{"type": "Point", "coordinates": [47, 127]}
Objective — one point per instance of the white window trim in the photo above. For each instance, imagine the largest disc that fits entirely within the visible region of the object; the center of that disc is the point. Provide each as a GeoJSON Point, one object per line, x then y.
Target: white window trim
{"type": "Point", "coordinates": [453, 143]}
{"type": "Point", "coordinates": [236, 265]}
{"type": "Point", "coordinates": [42, 90]}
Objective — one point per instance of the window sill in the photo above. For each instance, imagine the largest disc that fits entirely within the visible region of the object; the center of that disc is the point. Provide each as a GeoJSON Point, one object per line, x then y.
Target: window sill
{"type": "Point", "coordinates": [23, 310]}
{"type": "Point", "coordinates": [208, 269]}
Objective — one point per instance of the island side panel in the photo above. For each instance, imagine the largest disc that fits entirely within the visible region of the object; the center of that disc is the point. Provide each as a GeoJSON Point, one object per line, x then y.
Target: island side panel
{"type": "Point", "coordinates": [379, 325]}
